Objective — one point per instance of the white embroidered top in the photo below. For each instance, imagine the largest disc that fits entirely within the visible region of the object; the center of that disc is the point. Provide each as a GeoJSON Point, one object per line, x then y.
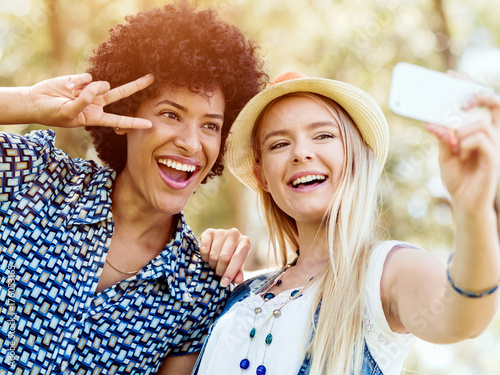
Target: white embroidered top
{"type": "Point", "coordinates": [229, 342]}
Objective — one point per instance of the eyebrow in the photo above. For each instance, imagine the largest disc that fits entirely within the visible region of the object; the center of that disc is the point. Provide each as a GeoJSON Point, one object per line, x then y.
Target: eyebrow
{"type": "Point", "coordinates": [311, 126]}
{"type": "Point", "coordinates": [184, 109]}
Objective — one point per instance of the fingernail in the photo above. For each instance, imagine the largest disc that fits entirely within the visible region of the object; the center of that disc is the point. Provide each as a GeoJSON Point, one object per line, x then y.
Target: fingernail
{"type": "Point", "coordinates": [93, 89]}
{"type": "Point", "coordinates": [70, 85]}
{"type": "Point", "coordinates": [225, 282]}
{"type": "Point", "coordinates": [453, 141]}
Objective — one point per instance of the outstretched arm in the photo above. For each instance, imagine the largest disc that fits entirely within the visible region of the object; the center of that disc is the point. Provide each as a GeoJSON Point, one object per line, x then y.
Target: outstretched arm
{"type": "Point", "coordinates": [69, 101]}
{"type": "Point", "coordinates": [416, 293]}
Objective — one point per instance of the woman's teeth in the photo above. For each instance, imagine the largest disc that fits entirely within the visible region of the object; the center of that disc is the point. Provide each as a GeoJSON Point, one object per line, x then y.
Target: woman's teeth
{"type": "Point", "coordinates": [309, 178]}
{"type": "Point", "coordinates": [176, 165]}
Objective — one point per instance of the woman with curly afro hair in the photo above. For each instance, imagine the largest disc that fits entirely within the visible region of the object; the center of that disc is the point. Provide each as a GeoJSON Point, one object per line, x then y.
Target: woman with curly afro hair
{"type": "Point", "coordinates": [180, 48]}
{"type": "Point", "coordinates": [113, 280]}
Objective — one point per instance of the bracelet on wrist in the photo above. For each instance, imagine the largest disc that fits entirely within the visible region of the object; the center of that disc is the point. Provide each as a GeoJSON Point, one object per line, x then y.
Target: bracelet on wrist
{"type": "Point", "coordinates": [466, 292]}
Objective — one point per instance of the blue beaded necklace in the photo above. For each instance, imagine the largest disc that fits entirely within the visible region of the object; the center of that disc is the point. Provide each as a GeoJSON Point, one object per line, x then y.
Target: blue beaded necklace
{"type": "Point", "coordinates": [245, 362]}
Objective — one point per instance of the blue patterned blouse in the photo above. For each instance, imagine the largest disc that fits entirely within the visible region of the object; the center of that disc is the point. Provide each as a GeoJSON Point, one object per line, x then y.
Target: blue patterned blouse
{"type": "Point", "coordinates": [56, 226]}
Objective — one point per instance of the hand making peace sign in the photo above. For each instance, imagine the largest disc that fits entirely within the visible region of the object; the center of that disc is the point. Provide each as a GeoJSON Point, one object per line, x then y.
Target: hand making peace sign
{"type": "Point", "coordinates": [72, 101]}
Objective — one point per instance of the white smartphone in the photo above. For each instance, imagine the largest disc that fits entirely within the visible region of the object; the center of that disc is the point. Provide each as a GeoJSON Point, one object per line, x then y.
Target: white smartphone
{"type": "Point", "coordinates": [427, 95]}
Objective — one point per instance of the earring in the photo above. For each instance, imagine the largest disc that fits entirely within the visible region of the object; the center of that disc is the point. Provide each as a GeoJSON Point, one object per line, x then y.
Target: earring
{"type": "Point", "coordinates": [117, 129]}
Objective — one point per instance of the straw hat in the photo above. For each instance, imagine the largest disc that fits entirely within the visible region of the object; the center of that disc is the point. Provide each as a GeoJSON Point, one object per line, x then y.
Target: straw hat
{"type": "Point", "coordinates": [362, 108]}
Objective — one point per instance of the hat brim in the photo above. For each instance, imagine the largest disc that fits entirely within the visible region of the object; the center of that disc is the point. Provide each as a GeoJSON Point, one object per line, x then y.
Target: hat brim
{"type": "Point", "coordinates": [363, 109]}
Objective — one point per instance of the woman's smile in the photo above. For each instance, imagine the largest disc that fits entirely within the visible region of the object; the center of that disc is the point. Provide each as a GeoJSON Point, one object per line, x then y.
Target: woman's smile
{"type": "Point", "coordinates": [305, 180]}
{"type": "Point", "coordinates": [178, 173]}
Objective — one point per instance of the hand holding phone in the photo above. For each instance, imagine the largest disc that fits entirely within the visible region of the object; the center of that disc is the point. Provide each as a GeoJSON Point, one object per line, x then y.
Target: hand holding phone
{"type": "Point", "coordinates": [427, 95]}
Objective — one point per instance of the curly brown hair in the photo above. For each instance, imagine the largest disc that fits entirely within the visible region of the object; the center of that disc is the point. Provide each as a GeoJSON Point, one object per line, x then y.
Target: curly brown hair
{"type": "Point", "coordinates": [183, 47]}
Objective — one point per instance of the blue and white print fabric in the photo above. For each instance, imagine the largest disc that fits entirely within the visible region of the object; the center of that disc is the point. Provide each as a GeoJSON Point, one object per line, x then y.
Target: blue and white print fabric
{"type": "Point", "coordinates": [56, 226]}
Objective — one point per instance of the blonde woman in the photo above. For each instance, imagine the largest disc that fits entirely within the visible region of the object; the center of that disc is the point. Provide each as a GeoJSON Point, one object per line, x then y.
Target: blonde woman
{"type": "Point", "coordinates": [347, 303]}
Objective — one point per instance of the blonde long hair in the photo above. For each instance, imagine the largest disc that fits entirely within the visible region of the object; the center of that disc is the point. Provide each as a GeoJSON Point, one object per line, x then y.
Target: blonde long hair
{"type": "Point", "coordinates": [338, 341]}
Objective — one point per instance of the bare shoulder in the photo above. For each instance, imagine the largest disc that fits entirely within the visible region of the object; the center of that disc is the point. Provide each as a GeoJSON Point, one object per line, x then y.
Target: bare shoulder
{"type": "Point", "coordinates": [401, 260]}
{"type": "Point", "coordinates": [407, 272]}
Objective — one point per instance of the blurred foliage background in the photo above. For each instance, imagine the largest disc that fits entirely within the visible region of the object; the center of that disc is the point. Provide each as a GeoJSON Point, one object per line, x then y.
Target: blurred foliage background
{"type": "Point", "coordinates": [357, 41]}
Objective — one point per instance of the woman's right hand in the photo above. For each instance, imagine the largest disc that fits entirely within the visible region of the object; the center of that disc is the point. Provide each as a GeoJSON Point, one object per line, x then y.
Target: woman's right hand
{"type": "Point", "coordinates": [72, 101]}
{"type": "Point", "coordinates": [469, 157]}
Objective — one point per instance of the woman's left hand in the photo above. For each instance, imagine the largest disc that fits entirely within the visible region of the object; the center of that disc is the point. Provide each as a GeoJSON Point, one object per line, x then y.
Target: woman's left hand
{"type": "Point", "coordinates": [226, 252]}
{"type": "Point", "coordinates": [469, 156]}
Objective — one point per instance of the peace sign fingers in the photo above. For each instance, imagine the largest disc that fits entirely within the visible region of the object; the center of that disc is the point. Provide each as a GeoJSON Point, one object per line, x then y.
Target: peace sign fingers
{"type": "Point", "coordinates": [94, 97]}
{"type": "Point", "coordinates": [128, 89]}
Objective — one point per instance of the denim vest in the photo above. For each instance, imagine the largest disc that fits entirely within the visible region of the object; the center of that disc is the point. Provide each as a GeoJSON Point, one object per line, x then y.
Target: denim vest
{"type": "Point", "coordinates": [253, 285]}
